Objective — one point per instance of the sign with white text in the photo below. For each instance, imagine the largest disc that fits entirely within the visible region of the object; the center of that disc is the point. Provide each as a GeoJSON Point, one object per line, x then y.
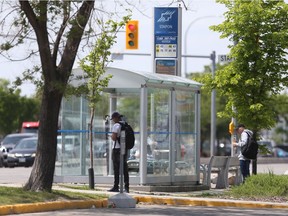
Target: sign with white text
{"type": "Point", "coordinates": [166, 21]}
{"type": "Point", "coordinates": [224, 59]}
{"type": "Point", "coordinates": [166, 32]}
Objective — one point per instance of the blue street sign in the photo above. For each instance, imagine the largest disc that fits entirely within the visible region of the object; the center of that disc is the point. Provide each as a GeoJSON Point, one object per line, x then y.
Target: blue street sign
{"type": "Point", "coordinates": [165, 32]}
{"type": "Point", "coordinates": [166, 21]}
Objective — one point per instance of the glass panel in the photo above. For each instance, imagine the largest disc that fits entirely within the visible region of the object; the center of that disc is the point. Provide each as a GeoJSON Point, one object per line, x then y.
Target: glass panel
{"type": "Point", "coordinates": [70, 142]}
{"type": "Point", "coordinates": [158, 132]}
{"type": "Point", "coordinates": [68, 153]}
{"type": "Point", "coordinates": [72, 158]}
{"type": "Point", "coordinates": [128, 105]}
{"type": "Point", "coordinates": [101, 138]}
{"type": "Point", "coordinates": [185, 133]}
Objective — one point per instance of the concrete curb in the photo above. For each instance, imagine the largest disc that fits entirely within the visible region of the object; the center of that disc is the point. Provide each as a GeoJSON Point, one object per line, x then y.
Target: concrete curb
{"type": "Point", "coordinates": [51, 206]}
{"type": "Point", "coordinates": [209, 202]}
{"type": "Point", "coordinates": [82, 204]}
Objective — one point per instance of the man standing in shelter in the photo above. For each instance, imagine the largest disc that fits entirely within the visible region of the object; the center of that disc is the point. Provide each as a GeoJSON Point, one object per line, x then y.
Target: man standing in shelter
{"type": "Point", "coordinates": [116, 153]}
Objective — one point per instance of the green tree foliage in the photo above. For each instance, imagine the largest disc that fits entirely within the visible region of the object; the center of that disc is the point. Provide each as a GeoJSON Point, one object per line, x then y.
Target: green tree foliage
{"type": "Point", "coordinates": [14, 109]}
{"type": "Point", "coordinates": [9, 107]}
{"type": "Point", "coordinates": [54, 31]}
{"type": "Point", "coordinates": [57, 28]}
{"type": "Point", "coordinates": [29, 109]}
{"type": "Point", "coordinates": [95, 63]}
{"type": "Point", "coordinates": [258, 31]}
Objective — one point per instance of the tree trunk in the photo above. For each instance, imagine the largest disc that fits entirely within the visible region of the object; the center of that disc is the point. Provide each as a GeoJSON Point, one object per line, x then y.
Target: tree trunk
{"type": "Point", "coordinates": [41, 178]}
{"type": "Point", "coordinates": [92, 110]}
{"type": "Point", "coordinates": [55, 81]}
{"type": "Point", "coordinates": [91, 169]}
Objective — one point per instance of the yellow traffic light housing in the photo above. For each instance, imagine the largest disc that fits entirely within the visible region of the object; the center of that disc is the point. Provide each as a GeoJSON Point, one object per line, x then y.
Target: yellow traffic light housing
{"type": "Point", "coordinates": [132, 34]}
{"type": "Point", "coordinates": [231, 127]}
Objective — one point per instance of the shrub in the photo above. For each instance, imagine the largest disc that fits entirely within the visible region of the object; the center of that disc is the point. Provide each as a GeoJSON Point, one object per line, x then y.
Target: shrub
{"type": "Point", "coordinates": [262, 185]}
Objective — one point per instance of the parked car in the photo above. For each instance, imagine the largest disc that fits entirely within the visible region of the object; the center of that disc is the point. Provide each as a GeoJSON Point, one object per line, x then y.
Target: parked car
{"type": "Point", "coordinates": [100, 148]}
{"type": "Point", "coordinates": [70, 146]}
{"type": "Point", "coordinates": [280, 151]}
{"type": "Point", "coordinates": [1, 158]}
{"type": "Point", "coordinates": [268, 144]}
{"type": "Point", "coordinates": [10, 141]}
{"type": "Point", "coordinates": [153, 166]}
{"type": "Point", "coordinates": [23, 154]}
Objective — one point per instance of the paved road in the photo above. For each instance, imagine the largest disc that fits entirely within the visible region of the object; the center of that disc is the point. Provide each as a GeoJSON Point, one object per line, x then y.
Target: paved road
{"type": "Point", "coordinates": [158, 210]}
{"type": "Point", "coordinates": [17, 175]}
{"type": "Point", "coordinates": [20, 175]}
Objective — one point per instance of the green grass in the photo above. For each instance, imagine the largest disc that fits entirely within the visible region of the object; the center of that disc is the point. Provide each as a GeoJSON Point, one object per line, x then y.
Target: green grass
{"type": "Point", "coordinates": [262, 186]}
{"type": "Point", "coordinates": [77, 186]}
{"type": "Point", "coordinates": [11, 195]}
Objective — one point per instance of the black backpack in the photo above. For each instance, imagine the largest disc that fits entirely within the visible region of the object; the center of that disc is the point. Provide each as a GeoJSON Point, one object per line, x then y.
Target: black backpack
{"type": "Point", "coordinates": [250, 149]}
{"type": "Point", "coordinates": [129, 135]}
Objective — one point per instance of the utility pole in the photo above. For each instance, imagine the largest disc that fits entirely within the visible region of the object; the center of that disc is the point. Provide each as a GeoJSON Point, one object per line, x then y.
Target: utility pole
{"type": "Point", "coordinates": [213, 108]}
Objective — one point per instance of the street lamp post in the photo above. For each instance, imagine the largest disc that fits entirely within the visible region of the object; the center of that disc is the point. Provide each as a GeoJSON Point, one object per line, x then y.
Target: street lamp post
{"type": "Point", "coordinates": [186, 37]}
{"type": "Point", "coordinates": [213, 108]}
{"type": "Point", "coordinates": [213, 95]}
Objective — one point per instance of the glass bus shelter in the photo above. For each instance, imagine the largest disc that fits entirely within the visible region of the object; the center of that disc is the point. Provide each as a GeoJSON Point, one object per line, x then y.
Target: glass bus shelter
{"type": "Point", "coordinates": [164, 112]}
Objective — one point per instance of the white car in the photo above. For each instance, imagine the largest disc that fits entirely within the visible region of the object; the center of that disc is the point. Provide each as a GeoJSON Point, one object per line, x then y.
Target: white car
{"type": "Point", "coordinates": [70, 146]}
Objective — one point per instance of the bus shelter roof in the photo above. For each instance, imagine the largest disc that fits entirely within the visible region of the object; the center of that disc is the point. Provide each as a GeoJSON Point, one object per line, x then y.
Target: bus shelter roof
{"type": "Point", "coordinates": [134, 79]}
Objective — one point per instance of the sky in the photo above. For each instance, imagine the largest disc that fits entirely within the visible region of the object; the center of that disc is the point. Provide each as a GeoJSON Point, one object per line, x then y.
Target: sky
{"type": "Point", "coordinates": [197, 39]}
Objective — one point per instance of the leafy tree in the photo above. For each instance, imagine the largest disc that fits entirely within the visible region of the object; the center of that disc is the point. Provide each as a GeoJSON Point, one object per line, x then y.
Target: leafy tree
{"type": "Point", "coordinates": [93, 66]}
{"type": "Point", "coordinates": [4, 84]}
{"type": "Point", "coordinates": [258, 30]}
{"type": "Point", "coordinates": [29, 109]}
{"type": "Point", "coordinates": [58, 27]}
{"type": "Point", "coordinates": [9, 107]}
{"type": "Point", "coordinates": [15, 109]}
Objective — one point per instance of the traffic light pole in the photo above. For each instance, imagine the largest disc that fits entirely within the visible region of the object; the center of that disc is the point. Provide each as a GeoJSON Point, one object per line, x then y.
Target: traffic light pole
{"type": "Point", "coordinates": [213, 107]}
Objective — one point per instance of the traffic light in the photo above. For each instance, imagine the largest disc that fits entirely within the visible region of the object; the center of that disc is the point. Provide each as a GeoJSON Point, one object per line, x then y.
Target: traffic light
{"type": "Point", "coordinates": [132, 34]}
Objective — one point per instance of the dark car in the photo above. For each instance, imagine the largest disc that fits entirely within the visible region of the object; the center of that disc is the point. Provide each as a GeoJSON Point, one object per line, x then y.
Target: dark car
{"type": "Point", "coordinates": [1, 158]}
{"type": "Point", "coordinates": [280, 151]}
{"type": "Point", "coordinates": [23, 154]}
{"type": "Point", "coordinates": [268, 144]}
{"type": "Point", "coordinates": [10, 141]}
{"type": "Point", "coordinates": [100, 148]}
{"type": "Point", "coordinates": [153, 166]}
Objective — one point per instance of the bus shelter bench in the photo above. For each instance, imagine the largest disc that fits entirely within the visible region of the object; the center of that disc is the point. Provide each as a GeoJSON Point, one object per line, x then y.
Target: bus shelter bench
{"type": "Point", "coordinates": [219, 166]}
{"type": "Point", "coordinates": [234, 170]}
{"type": "Point", "coordinates": [222, 166]}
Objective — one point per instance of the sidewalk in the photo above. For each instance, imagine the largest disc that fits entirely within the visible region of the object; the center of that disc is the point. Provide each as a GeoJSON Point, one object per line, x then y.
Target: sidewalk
{"type": "Point", "coordinates": [159, 198]}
